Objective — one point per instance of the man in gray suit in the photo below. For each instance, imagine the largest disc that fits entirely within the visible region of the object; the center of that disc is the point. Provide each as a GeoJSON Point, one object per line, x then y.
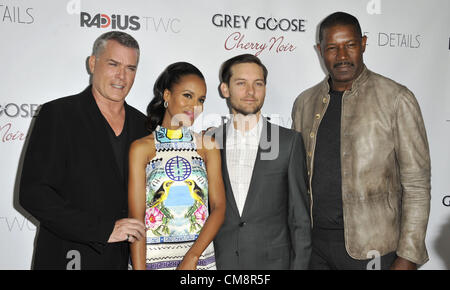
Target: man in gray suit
{"type": "Point", "coordinates": [267, 223]}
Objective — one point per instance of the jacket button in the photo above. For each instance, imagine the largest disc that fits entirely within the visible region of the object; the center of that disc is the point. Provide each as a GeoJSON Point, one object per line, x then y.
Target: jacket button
{"type": "Point", "coordinates": [312, 135]}
{"type": "Point", "coordinates": [317, 116]}
{"type": "Point", "coordinates": [241, 224]}
{"type": "Point", "coordinates": [325, 100]}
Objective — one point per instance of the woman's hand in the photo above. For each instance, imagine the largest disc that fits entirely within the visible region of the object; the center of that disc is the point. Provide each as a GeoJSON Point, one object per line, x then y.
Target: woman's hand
{"type": "Point", "coordinates": [189, 262]}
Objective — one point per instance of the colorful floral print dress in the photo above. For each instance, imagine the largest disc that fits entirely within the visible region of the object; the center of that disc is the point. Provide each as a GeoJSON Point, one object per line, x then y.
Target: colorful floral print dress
{"type": "Point", "coordinates": [177, 200]}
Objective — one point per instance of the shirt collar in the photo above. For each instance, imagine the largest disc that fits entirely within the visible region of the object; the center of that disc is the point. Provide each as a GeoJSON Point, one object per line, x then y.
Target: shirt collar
{"type": "Point", "coordinates": [253, 135]}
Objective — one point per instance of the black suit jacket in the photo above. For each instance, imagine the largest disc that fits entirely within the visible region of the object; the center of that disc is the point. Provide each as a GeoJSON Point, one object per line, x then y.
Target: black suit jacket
{"type": "Point", "coordinates": [72, 185]}
{"type": "Point", "coordinates": [274, 231]}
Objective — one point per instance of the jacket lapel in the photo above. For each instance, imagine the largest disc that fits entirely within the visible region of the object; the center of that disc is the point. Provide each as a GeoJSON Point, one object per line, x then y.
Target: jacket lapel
{"type": "Point", "coordinates": [221, 137]}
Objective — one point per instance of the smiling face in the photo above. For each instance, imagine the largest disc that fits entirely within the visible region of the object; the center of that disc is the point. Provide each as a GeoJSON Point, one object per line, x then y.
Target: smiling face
{"type": "Point", "coordinates": [113, 71]}
{"type": "Point", "coordinates": [342, 51]}
{"type": "Point", "coordinates": [246, 89]}
{"type": "Point", "coordinates": [185, 100]}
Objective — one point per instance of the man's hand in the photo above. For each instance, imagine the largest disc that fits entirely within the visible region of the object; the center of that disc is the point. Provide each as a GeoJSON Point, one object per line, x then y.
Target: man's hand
{"type": "Point", "coordinates": [127, 229]}
{"type": "Point", "coordinates": [403, 264]}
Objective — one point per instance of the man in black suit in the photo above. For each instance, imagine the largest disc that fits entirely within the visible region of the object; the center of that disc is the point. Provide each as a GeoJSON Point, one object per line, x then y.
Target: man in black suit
{"type": "Point", "coordinates": [74, 179]}
{"type": "Point", "coordinates": [267, 224]}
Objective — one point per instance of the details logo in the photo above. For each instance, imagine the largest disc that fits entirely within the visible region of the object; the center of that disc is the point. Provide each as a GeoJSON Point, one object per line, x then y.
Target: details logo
{"type": "Point", "coordinates": [392, 39]}
{"type": "Point", "coordinates": [115, 21]}
{"type": "Point", "coordinates": [14, 14]}
{"type": "Point", "coordinates": [395, 39]}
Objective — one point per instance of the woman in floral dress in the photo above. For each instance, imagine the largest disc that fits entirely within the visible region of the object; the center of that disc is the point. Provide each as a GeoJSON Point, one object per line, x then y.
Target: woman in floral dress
{"type": "Point", "coordinates": [175, 178]}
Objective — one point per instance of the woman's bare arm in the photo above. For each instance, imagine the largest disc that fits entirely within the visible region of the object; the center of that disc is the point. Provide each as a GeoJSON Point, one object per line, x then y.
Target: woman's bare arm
{"type": "Point", "coordinates": [138, 159]}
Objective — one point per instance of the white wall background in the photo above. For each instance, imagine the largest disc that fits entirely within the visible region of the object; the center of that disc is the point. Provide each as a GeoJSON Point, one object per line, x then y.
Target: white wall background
{"type": "Point", "coordinates": [44, 48]}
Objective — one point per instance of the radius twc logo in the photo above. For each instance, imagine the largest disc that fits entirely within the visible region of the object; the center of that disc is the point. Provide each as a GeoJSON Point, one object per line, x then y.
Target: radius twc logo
{"type": "Point", "coordinates": [100, 20]}
{"type": "Point", "coordinates": [130, 22]}
{"type": "Point", "coordinates": [114, 21]}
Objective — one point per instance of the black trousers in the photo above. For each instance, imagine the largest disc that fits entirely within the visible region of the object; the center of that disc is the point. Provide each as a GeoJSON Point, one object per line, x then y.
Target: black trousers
{"type": "Point", "coordinates": [329, 253]}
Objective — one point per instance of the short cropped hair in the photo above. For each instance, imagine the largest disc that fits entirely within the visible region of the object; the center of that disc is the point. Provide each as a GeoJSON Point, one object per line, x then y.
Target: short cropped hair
{"type": "Point", "coordinates": [225, 71]}
{"type": "Point", "coordinates": [121, 37]}
{"type": "Point", "coordinates": [339, 18]}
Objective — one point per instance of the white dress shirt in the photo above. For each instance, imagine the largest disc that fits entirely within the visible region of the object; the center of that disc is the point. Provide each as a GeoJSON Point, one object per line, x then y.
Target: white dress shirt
{"type": "Point", "coordinates": [241, 150]}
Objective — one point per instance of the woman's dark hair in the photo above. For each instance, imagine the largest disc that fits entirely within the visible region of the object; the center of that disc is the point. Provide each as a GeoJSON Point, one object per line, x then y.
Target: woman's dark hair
{"type": "Point", "coordinates": [169, 77]}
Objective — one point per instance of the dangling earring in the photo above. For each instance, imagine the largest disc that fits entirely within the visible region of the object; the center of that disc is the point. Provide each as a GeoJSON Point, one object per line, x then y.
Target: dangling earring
{"type": "Point", "coordinates": [166, 104]}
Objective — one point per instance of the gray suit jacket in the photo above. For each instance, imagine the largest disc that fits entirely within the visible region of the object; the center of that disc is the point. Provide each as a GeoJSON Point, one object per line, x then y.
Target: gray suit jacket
{"type": "Point", "coordinates": [274, 230]}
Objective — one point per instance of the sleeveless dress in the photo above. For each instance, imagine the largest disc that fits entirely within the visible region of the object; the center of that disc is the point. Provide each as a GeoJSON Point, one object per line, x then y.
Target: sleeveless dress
{"type": "Point", "coordinates": [176, 200]}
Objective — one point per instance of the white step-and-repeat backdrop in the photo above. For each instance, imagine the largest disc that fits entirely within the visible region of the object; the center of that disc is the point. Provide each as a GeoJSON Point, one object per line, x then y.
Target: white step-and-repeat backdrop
{"type": "Point", "coordinates": [45, 44]}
